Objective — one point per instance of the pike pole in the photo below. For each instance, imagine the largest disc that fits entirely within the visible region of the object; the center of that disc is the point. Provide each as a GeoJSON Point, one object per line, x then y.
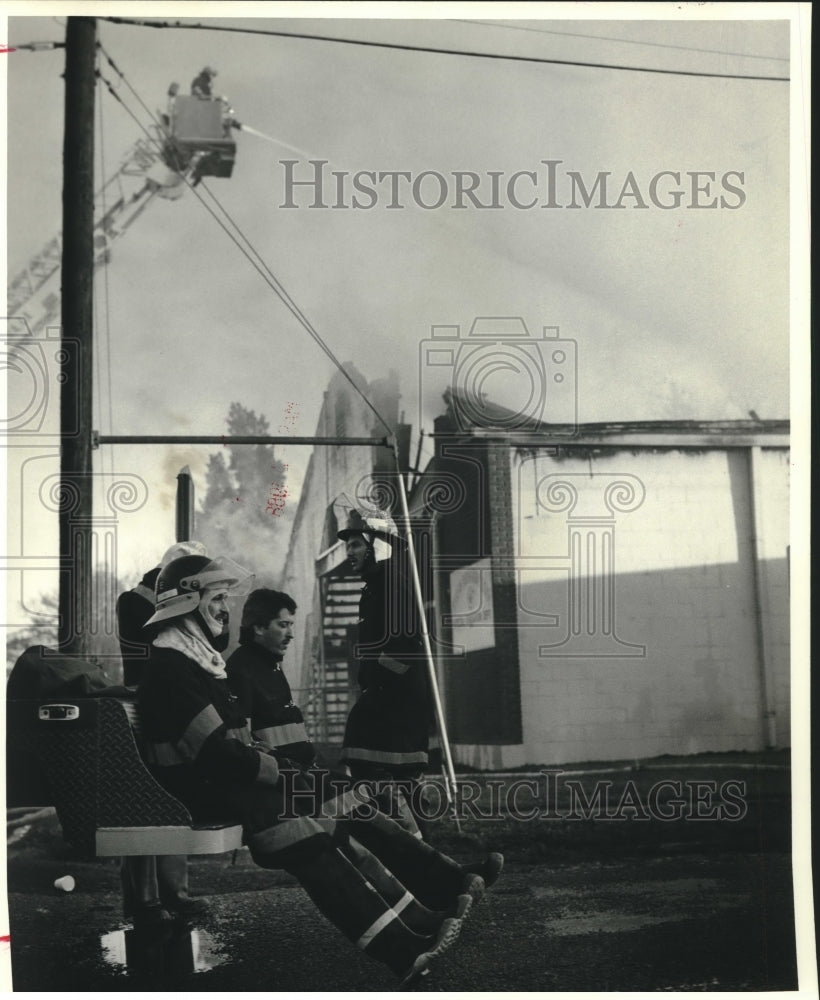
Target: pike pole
{"type": "Point", "coordinates": [450, 787]}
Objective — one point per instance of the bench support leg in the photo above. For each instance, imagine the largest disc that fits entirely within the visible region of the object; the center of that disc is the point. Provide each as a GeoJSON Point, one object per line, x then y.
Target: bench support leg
{"type": "Point", "coordinates": [139, 884]}
{"type": "Point", "coordinates": [172, 878]}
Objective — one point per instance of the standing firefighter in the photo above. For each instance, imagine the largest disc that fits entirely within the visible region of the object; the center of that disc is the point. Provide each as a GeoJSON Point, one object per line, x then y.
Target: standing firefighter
{"type": "Point", "coordinates": [387, 731]}
{"type": "Point", "coordinates": [201, 749]}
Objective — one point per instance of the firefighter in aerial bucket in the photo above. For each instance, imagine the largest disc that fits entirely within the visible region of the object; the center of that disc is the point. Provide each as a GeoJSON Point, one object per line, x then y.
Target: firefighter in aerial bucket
{"type": "Point", "coordinates": [202, 84]}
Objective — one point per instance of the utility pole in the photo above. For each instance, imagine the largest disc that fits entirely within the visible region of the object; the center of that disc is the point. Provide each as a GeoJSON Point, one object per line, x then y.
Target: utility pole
{"type": "Point", "coordinates": [75, 508]}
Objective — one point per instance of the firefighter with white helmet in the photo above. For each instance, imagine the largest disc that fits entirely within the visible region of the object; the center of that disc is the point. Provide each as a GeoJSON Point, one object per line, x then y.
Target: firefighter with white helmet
{"type": "Point", "coordinates": [200, 748]}
{"type": "Point", "coordinates": [135, 607]}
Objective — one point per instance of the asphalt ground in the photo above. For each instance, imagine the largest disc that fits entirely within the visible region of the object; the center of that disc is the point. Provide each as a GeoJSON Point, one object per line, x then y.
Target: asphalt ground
{"type": "Point", "coordinates": [584, 904]}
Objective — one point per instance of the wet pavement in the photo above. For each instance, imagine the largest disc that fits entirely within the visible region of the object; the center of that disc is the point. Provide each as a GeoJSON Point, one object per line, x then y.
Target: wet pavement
{"type": "Point", "coordinates": [674, 920]}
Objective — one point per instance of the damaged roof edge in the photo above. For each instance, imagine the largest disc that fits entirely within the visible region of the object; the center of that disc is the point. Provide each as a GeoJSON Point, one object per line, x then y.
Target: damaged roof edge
{"type": "Point", "coordinates": [643, 433]}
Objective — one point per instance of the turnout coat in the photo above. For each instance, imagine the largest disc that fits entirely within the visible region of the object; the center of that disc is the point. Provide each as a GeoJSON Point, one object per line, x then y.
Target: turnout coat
{"type": "Point", "coordinates": [263, 695]}
{"type": "Point", "coordinates": [198, 745]}
{"type": "Point", "coordinates": [388, 728]}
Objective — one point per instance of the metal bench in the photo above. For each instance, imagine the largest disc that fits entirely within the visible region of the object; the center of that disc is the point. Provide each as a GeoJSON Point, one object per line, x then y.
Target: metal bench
{"type": "Point", "coordinates": [84, 754]}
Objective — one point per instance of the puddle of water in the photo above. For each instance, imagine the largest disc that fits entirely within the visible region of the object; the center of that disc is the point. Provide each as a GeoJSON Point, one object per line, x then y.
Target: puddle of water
{"type": "Point", "coordinates": [177, 950]}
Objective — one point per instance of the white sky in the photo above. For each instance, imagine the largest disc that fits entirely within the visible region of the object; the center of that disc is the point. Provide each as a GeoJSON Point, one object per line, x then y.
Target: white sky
{"type": "Point", "coordinates": [676, 314]}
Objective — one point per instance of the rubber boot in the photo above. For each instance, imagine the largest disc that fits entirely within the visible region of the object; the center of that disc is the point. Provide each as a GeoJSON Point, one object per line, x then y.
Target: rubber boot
{"type": "Point", "coordinates": [413, 913]}
{"type": "Point", "coordinates": [354, 906]}
{"type": "Point", "coordinates": [433, 878]}
{"type": "Point", "coordinates": [489, 869]}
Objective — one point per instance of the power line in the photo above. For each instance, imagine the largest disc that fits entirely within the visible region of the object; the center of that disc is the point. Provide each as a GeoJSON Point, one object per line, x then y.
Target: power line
{"type": "Point", "coordinates": [614, 38]}
{"type": "Point", "coordinates": [446, 52]}
{"type": "Point", "coordinates": [286, 298]}
{"type": "Point", "coordinates": [258, 263]}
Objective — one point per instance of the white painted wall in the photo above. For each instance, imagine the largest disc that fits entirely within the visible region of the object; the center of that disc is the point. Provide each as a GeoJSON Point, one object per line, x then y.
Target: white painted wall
{"type": "Point", "coordinates": [677, 668]}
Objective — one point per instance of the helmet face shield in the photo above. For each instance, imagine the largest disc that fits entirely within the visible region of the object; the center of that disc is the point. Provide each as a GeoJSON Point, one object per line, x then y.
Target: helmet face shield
{"type": "Point", "coordinates": [181, 585]}
{"type": "Point", "coordinates": [221, 573]}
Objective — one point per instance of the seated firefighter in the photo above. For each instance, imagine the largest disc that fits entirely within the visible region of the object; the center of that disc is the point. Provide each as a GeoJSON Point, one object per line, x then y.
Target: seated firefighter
{"type": "Point", "coordinates": [380, 851]}
{"type": "Point", "coordinates": [200, 748]}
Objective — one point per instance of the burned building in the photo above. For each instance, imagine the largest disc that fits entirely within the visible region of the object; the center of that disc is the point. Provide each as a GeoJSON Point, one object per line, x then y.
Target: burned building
{"type": "Point", "coordinates": [595, 592]}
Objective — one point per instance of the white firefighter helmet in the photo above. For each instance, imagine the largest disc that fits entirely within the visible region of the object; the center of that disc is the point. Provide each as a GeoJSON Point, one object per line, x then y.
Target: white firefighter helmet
{"type": "Point", "coordinates": [181, 584]}
{"type": "Point", "coordinates": [190, 547]}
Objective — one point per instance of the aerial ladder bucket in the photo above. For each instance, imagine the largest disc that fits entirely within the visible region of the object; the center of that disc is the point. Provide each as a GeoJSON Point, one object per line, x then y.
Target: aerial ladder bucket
{"type": "Point", "coordinates": [200, 137]}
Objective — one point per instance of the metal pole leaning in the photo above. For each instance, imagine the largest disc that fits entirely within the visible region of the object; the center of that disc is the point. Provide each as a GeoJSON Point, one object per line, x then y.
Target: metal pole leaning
{"type": "Point", "coordinates": [450, 786]}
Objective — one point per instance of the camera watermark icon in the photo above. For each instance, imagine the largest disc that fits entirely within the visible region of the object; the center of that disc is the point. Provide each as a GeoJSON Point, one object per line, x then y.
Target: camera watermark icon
{"type": "Point", "coordinates": [34, 368]}
{"type": "Point", "coordinates": [503, 583]}
{"type": "Point", "coordinates": [501, 376]}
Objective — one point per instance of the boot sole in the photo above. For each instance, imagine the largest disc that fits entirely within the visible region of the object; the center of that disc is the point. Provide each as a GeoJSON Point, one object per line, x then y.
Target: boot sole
{"type": "Point", "coordinates": [474, 887]}
{"type": "Point", "coordinates": [419, 968]}
{"type": "Point", "coordinates": [464, 904]}
{"type": "Point", "coordinates": [447, 936]}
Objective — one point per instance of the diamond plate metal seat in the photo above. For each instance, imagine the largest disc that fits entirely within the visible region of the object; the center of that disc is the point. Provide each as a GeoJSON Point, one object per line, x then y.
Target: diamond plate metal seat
{"type": "Point", "coordinates": [83, 754]}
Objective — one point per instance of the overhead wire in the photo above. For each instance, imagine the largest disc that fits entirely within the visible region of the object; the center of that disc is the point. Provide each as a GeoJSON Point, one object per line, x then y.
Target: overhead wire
{"type": "Point", "coordinates": [615, 38]}
{"type": "Point", "coordinates": [248, 250]}
{"type": "Point", "coordinates": [441, 51]}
